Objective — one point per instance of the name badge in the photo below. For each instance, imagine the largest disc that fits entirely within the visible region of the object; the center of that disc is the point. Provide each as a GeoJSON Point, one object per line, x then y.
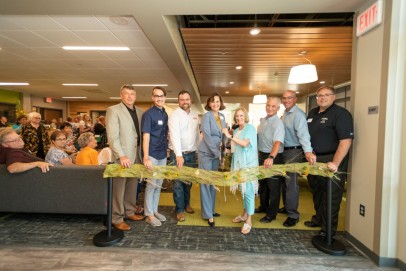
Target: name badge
{"type": "Point", "coordinates": [309, 120]}
{"type": "Point", "coordinates": [160, 122]}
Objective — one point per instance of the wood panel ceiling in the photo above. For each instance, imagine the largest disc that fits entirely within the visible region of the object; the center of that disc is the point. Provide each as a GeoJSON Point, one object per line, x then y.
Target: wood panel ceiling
{"type": "Point", "coordinates": [267, 58]}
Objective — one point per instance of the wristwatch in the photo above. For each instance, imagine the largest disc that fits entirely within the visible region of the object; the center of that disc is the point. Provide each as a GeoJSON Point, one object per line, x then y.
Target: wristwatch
{"type": "Point", "coordinates": [270, 156]}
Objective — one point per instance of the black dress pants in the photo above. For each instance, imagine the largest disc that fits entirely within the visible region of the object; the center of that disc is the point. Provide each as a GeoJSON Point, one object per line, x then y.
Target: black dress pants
{"type": "Point", "coordinates": [269, 188]}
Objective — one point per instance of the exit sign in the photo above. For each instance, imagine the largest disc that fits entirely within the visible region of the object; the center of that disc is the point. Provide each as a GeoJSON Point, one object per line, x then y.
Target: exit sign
{"type": "Point", "coordinates": [370, 18]}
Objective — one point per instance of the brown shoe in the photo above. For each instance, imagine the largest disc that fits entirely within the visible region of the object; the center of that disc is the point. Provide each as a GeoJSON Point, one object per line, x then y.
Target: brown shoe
{"type": "Point", "coordinates": [136, 217]}
{"type": "Point", "coordinates": [189, 210]}
{"type": "Point", "coordinates": [180, 217]}
{"type": "Point", "coordinates": [122, 226]}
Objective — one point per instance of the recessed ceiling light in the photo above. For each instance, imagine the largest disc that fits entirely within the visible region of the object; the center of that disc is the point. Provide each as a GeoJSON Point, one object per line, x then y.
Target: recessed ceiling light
{"type": "Point", "coordinates": [227, 92]}
{"type": "Point", "coordinates": [115, 98]}
{"type": "Point", "coordinates": [231, 82]}
{"type": "Point", "coordinates": [238, 67]}
{"type": "Point", "coordinates": [96, 48]}
{"type": "Point", "coordinates": [74, 97]}
{"type": "Point", "coordinates": [297, 91]}
{"type": "Point", "coordinates": [13, 84]}
{"type": "Point", "coordinates": [322, 82]}
{"type": "Point", "coordinates": [255, 31]}
{"type": "Point", "coordinates": [75, 85]}
{"type": "Point", "coordinates": [149, 85]}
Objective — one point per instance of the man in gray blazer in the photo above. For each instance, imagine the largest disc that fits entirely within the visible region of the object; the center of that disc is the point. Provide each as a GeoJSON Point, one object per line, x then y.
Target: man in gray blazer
{"type": "Point", "coordinates": [124, 138]}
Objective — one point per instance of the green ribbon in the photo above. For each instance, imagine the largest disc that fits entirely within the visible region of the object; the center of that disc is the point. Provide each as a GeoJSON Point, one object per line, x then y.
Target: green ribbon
{"type": "Point", "coordinates": [201, 176]}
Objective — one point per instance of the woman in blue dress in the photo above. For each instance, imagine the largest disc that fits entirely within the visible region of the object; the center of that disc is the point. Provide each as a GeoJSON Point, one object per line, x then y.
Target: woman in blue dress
{"type": "Point", "coordinates": [245, 155]}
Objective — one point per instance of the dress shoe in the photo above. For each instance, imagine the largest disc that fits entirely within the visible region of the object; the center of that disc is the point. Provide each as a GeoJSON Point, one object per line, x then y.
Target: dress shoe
{"type": "Point", "coordinates": [180, 217]}
{"type": "Point", "coordinates": [311, 224]}
{"type": "Point", "coordinates": [216, 214]}
{"type": "Point", "coordinates": [136, 217]}
{"type": "Point", "coordinates": [266, 219]}
{"type": "Point", "coordinates": [189, 210]}
{"type": "Point", "coordinates": [211, 224]}
{"type": "Point", "coordinates": [122, 226]}
{"type": "Point", "coordinates": [282, 210]}
{"type": "Point", "coordinates": [259, 210]}
{"type": "Point", "coordinates": [290, 222]}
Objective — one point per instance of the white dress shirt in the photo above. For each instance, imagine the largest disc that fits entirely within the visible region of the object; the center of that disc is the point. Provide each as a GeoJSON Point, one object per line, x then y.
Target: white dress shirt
{"type": "Point", "coordinates": [183, 131]}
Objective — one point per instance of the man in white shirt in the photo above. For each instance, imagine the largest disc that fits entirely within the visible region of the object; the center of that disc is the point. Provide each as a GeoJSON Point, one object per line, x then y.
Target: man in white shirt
{"type": "Point", "coordinates": [184, 137]}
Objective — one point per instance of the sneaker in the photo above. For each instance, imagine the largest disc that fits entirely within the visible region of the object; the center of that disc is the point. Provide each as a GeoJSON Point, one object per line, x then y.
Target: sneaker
{"type": "Point", "coordinates": [160, 217]}
{"type": "Point", "coordinates": [154, 222]}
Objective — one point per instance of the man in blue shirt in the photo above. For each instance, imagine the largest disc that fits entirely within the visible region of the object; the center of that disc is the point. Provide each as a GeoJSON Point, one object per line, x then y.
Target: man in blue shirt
{"type": "Point", "coordinates": [271, 135]}
{"type": "Point", "coordinates": [154, 126]}
{"type": "Point", "coordinates": [297, 143]}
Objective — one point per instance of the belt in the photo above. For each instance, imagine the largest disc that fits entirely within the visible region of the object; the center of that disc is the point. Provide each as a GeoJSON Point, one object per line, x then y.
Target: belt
{"type": "Point", "coordinates": [261, 152]}
{"type": "Point", "coordinates": [188, 152]}
{"type": "Point", "coordinates": [292, 148]}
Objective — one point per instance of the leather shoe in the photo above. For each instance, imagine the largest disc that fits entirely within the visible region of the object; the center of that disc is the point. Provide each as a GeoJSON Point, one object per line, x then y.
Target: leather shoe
{"type": "Point", "coordinates": [282, 210]}
{"type": "Point", "coordinates": [290, 222]}
{"type": "Point", "coordinates": [180, 217]}
{"type": "Point", "coordinates": [189, 210]}
{"type": "Point", "coordinates": [211, 224]}
{"type": "Point", "coordinates": [266, 219]}
{"type": "Point", "coordinates": [136, 217]}
{"type": "Point", "coordinates": [216, 214]}
{"type": "Point", "coordinates": [259, 210]}
{"type": "Point", "coordinates": [122, 226]}
{"type": "Point", "coordinates": [311, 224]}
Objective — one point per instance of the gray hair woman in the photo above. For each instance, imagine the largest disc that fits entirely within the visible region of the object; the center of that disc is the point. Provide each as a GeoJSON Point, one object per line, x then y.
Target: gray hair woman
{"type": "Point", "coordinates": [87, 154]}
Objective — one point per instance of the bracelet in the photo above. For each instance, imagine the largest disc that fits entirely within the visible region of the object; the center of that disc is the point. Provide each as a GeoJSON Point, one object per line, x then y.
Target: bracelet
{"type": "Point", "coordinates": [271, 157]}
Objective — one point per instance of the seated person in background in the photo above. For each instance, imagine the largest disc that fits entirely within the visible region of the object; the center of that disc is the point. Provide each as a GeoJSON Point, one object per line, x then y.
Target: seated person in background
{"type": "Point", "coordinates": [67, 129]}
{"type": "Point", "coordinates": [56, 154]}
{"type": "Point", "coordinates": [14, 157]}
{"type": "Point", "coordinates": [87, 154]}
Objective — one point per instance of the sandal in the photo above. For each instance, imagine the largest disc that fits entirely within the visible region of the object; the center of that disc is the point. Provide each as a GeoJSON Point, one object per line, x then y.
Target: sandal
{"type": "Point", "coordinates": [238, 219]}
{"type": "Point", "coordinates": [246, 228]}
{"type": "Point", "coordinates": [139, 210]}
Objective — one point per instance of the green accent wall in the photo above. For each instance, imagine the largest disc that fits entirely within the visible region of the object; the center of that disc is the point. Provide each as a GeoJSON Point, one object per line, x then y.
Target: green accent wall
{"type": "Point", "coordinates": [9, 97]}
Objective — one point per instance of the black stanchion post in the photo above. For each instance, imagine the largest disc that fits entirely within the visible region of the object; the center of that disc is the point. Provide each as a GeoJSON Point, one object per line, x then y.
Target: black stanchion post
{"type": "Point", "coordinates": [328, 244]}
{"type": "Point", "coordinates": [110, 236]}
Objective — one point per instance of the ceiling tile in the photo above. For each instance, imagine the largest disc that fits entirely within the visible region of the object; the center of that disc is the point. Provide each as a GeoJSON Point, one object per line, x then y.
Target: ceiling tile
{"type": "Point", "coordinates": [34, 22]}
{"type": "Point", "coordinates": [99, 38]}
{"type": "Point", "coordinates": [79, 22]}
{"type": "Point", "coordinates": [27, 38]}
{"type": "Point", "coordinates": [61, 38]}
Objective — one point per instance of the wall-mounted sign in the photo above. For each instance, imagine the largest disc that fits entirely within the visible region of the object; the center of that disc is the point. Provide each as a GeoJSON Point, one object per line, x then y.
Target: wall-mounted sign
{"type": "Point", "coordinates": [373, 110]}
{"type": "Point", "coordinates": [370, 18]}
{"type": "Point", "coordinates": [48, 100]}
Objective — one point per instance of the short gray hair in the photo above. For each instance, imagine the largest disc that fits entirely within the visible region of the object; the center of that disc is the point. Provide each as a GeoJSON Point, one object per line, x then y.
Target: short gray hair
{"type": "Point", "coordinates": [4, 133]}
{"type": "Point", "coordinates": [84, 139]}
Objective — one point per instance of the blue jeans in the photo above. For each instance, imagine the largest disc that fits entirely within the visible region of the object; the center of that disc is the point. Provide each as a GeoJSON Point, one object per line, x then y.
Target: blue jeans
{"type": "Point", "coordinates": [181, 190]}
{"type": "Point", "coordinates": [153, 190]}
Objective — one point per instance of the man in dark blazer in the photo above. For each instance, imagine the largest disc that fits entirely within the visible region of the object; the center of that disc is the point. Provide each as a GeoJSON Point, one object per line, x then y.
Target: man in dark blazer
{"type": "Point", "coordinates": [123, 131]}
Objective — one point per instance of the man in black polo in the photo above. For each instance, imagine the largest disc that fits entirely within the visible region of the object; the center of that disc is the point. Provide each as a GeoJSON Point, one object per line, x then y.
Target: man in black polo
{"type": "Point", "coordinates": [331, 130]}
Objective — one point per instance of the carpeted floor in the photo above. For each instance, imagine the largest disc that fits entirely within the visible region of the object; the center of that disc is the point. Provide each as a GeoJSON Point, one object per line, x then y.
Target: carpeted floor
{"type": "Point", "coordinates": [53, 230]}
{"type": "Point", "coordinates": [56, 230]}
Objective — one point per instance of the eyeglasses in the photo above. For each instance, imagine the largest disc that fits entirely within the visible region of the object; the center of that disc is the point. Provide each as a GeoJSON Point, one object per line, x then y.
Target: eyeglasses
{"type": "Point", "coordinates": [159, 96]}
{"type": "Point", "coordinates": [15, 140]}
{"type": "Point", "coordinates": [324, 95]}
{"type": "Point", "coordinates": [287, 98]}
{"type": "Point", "coordinates": [60, 139]}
